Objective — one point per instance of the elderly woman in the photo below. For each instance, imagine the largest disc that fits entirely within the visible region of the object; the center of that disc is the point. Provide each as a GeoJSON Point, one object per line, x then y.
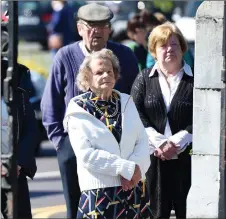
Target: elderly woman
{"type": "Point", "coordinates": [164, 99]}
{"type": "Point", "coordinates": [109, 141]}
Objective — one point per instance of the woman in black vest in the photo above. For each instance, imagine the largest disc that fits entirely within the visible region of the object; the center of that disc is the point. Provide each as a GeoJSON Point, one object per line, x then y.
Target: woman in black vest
{"type": "Point", "coordinates": [164, 99]}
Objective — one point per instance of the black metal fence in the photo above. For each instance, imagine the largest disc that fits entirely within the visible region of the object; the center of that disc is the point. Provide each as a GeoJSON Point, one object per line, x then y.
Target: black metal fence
{"type": "Point", "coordinates": [9, 161]}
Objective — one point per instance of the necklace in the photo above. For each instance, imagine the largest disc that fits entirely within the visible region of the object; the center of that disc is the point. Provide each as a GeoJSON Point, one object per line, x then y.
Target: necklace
{"type": "Point", "coordinates": [104, 114]}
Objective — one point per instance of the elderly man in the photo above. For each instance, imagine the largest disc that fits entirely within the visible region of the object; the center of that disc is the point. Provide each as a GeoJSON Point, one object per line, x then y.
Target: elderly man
{"type": "Point", "coordinates": [94, 27]}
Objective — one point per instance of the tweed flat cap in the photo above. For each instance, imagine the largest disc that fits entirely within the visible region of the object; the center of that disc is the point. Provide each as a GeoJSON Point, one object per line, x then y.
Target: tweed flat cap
{"type": "Point", "coordinates": [94, 12]}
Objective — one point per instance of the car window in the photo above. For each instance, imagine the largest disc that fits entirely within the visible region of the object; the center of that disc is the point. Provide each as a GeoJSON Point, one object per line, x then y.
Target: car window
{"type": "Point", "coordinates": [27, 7]}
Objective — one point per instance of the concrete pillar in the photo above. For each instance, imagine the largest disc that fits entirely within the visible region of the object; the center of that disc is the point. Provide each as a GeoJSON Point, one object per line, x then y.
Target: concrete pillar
{"type": "Point", "coordinates": [203, 198]}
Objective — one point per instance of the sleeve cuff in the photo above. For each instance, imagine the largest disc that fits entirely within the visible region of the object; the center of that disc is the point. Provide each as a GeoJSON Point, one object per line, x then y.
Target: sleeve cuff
{"type": "Point", "coordinates": [181, 139]}
{"type": "Point", "coordinates": [161, 143]}
{"type": "Point", "coordinates": [155, 139]}
{"type": "Point", "coordinates": [151, 149]}
{"type": "Point", "coordinates": [127, 169]}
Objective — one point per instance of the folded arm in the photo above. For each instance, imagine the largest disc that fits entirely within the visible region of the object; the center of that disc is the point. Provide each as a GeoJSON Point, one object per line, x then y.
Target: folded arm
{"type": "Point", "coordinates": [181, 139]}
{"type": "Point", "coordinates": [97, 160]}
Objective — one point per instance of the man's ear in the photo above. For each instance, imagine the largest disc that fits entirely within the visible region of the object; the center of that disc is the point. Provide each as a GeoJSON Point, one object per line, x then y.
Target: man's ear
{"type": "Point", "coordinates": [110, 30]}
{"type": "Point", "coordinates": [79, 27]}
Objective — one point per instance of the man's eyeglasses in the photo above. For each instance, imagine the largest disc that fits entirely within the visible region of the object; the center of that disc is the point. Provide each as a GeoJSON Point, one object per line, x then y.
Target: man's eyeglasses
{"type": "Point", "coordinates": [91, 26]}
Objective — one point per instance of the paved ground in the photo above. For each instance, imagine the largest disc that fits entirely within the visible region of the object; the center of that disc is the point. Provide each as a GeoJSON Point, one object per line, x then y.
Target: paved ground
{"type": "Point", "coordinates": [46, 190]}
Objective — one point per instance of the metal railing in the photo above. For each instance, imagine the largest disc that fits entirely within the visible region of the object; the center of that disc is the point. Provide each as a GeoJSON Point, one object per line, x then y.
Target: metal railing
{"type": "Point", "coordinates": [9, 161]}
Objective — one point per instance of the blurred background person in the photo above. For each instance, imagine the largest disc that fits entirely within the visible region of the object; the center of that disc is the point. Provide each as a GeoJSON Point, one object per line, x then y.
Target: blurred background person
{"type": "Point", "coordinates": [160, 17]}
{"type": "Point", "coordinates": [136, 31]}
{"type": "Point", "coordinates": [109, 141]}
{"type": "Point", "coordinates": [163, 96]}
{"type": "Point", "coordinates": [150, 22]}
{"type": "Point", "coordinates": [60, 27]}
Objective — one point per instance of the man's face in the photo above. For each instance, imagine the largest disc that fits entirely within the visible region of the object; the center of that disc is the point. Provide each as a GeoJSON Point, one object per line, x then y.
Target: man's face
{"type": "Point", "coordinates": [94, 34]}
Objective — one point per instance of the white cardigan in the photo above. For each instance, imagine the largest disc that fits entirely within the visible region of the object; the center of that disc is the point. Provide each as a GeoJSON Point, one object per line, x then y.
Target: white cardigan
{"type": "Point", "coordinates": [100, 159]}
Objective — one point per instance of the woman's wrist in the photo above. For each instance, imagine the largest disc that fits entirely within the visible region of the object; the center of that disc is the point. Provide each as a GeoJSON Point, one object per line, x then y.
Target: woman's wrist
{"type": "Point", "coordinates": [163, 145]}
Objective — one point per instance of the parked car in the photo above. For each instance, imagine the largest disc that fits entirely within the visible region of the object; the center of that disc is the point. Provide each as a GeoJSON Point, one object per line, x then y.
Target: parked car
{"type": "Point", "coordinates": [33, 16]}
{"type": "Point", "coordinates": [32, 19]}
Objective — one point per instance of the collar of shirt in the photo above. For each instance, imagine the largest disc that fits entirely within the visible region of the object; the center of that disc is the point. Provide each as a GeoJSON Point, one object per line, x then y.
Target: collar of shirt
{"type": "Point", "coordinates": [83, 48]}
{"type": "Point", "coordinates": [186, 69]}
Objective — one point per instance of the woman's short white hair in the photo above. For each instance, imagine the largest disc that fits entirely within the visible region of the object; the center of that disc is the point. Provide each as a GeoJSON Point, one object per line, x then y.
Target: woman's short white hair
{"type": "Point", "coordinates": [85, 70]}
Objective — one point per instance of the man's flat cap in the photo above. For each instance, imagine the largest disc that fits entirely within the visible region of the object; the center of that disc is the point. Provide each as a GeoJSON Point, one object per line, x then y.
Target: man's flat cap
{"type": "Point", "coordinates": [94, 12]}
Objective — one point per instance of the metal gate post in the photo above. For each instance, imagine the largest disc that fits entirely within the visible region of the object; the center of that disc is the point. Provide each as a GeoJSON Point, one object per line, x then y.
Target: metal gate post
{"type": "Point", "coordinates": [10, 160]}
